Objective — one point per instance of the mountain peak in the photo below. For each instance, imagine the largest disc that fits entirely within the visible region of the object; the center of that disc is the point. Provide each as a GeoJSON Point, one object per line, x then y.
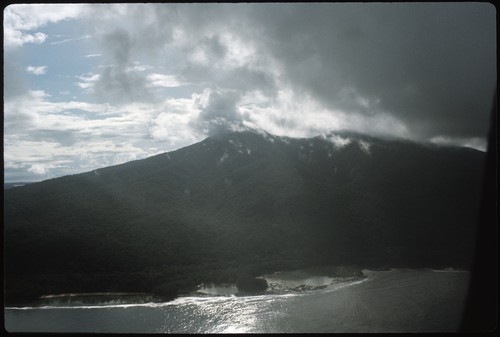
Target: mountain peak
{"type": "Point", "coordinates": [244, 200]}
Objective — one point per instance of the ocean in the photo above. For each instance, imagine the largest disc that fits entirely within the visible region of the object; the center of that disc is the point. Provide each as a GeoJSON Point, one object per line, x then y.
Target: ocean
{"type": "Point", "coordinates": [398, 300]}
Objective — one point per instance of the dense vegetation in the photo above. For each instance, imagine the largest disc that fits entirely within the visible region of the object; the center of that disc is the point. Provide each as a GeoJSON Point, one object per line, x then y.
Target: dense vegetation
{"type": "Point", "coordinates": [249, 285]}
{"type": "Point", "coordinates": [241, 204]}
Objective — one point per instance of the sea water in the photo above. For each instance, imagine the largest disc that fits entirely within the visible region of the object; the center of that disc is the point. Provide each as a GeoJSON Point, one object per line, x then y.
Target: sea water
{"type": "Point", "coordinates": [398, 300]}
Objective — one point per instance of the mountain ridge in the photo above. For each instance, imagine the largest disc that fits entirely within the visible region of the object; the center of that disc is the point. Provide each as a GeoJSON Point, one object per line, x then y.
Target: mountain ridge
{"type": "Point", "coordinates": [244, 202]}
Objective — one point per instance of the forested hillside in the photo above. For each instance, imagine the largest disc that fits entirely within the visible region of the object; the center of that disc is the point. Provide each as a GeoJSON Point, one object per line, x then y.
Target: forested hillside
{"type": "Point", "coordinates": [243, 203]}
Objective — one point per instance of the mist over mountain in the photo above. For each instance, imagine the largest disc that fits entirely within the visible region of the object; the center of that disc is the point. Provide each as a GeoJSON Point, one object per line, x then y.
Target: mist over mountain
{"type": "Point", "coordinates": [243, 202]}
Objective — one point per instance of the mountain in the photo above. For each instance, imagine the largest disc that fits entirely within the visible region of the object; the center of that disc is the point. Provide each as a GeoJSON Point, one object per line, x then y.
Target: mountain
{"type": "Point", "coordinates": [243, 203]}
{"type": "Point", "coordinates": [7, 186]}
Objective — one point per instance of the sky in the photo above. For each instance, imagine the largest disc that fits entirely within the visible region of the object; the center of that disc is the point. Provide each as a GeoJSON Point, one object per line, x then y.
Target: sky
{"type": "Point", "coordinates": [93, 85]}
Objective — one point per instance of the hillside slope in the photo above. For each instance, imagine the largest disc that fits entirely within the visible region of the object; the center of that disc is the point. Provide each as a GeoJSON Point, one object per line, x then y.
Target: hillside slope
{"type": "Point", "coordinates": [243, 203]}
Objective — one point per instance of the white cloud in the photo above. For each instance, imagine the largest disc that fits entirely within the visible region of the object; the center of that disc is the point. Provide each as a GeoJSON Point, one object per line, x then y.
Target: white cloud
{"type": "Point", "coordinates": [14, 38]}
{"type": "Point", "coordinates": [160, 80]}
{"type": "Point", "coordinates": [477, 143]}
{"type": "Point", "coordinates": [365, 146]}
{"type": "Point", "coordinates": [37, 70]}
{"type": "Point", "coordinates": [337, 141]}
{"type": "Point", "coordinates": [239, 53]}
{"type": "Point", "coordinates": [21, 19]}
{"type": "Point", "coordinates": [175, 124]}
{"type": "Point", "coordinates": [137, 66]}
{"type": "Point", "coordinates": [47, 159]}
{"type": "Point", "coordinates": [32, 16]}
{"type": "Point", "coordinates": [93, 55]}
{"type": "Point", "coordinates": [76, 136]}
{"type": "Point", "coordinates": [291, 114]}
{"type": "Point", "coordinates": [17, 149]}
{"type": "Point", "coordinates": [173, 128]}
{"type": "Point", "coordinates": [35, 106]}
{"type": "Point", "coordinates": [40, 169]}
{"type": "Point", "coordinates": [88, 81]}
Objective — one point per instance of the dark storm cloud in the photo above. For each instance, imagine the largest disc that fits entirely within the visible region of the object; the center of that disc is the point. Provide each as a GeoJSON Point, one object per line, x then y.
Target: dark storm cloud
{"type": "Point", "coordinates": [118, 82]}
{"type": "Point", "coordinates": [213, 47]}
{"type": "Point", "coordinates": [430, 65]}
{"type": "Point", "coordinates": [243, 78]}
{"type": "Point", "coordinates": [119, 43]}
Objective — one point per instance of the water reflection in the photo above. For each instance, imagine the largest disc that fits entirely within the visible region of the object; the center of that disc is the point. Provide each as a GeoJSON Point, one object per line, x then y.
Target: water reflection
{"type": "Point", "coordinates": [228, 314]}
{"type": "Point", "coordinates": [389, 301]}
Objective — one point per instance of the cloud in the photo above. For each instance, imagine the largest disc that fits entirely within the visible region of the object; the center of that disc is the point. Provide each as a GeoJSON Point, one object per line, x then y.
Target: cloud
{"type": "Point", "coordinates": [20, 19]}
{"type": "Point", "coordinates": [37, 70]}
{"type": "Point", "coordinates": [21, 25]}
{"type": "Point", "coordinates": [137, 66]}
{"type": "Point", "coordinates": [53, 159]}
{"type": "Point", "coordinates": [172, 128]}
{"type": "Point", "coordinates": [160, 80]}
{"type": "Point", "coordinates": [85, 37]}
{"type": "Point", "coordinates": [173, 125]}
{"type": "Point", "coordinates": [16, 38]}
{"type": "Point", "coordinates": [477, 143]}
{"type": "Point", "coordinates": [300, 115]}
{"type": "Point", "coordinates": [40, 169]}
{"type": "Point", "coordinates": [87, 81]}
{"type": "Point", "coordinates": [13, 70]}
{"type": "Point", "coordinates": [120, 80]}
{"type": "Point", "coordinates": [414, 62]}
{"type": "Point", "coordinates": [226, 60]}
{"type": "Point", "coordinates": [428, 68]}
{"type": "Point", "coordinates": [218, 111]}
{"type": "Point", "coordinates": [336, 140]}
{"type": "Point", "coordinates": [76, 136]}
{"type": "Point", "coordinates": [161, 76]}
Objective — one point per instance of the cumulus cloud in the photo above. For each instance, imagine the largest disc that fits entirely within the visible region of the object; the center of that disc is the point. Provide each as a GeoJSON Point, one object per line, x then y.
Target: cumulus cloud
{"type": "Point", "coordinates": [16, 38]}
{"type": "Point", "coordinates": [173, 124]}
{"type": "Point", "coordinates": [40, 169]}
{"type": "Point", "coordinates": [166, 75]}
{"type": "Point", "coordinates": [218, 111]}
{"type": "Point", "coordinates": [21, 19]}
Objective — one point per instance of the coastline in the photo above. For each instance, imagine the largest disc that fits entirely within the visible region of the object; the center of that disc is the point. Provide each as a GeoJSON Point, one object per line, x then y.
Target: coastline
{"type": "Point", "coordinates": [300, 281]}
{"type": "Point", "coordinates": [387, 301]}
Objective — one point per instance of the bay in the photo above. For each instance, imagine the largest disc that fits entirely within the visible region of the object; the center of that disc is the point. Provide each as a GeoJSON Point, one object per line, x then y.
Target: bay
{"type": "Point", "coordinates": [399, 300]}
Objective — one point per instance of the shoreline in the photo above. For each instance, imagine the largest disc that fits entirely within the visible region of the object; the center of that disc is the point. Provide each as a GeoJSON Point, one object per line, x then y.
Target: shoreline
{"type": "Point", "coordinates": [299, 281]}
